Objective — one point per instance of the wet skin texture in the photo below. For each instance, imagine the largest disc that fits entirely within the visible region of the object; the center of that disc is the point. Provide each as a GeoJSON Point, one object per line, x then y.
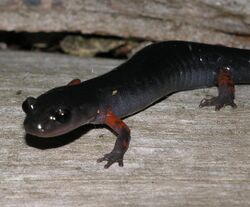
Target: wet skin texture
{"type": "Point", "coordinates": [151, 74]}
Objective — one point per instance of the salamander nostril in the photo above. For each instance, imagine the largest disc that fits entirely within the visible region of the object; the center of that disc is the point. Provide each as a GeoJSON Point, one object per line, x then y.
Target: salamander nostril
{"type": "Point", "coordinates": [28, 104]}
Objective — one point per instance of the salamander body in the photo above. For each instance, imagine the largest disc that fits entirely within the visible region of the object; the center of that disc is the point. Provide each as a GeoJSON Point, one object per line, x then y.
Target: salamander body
{"type": "Point", "coordinates": [153, 73]}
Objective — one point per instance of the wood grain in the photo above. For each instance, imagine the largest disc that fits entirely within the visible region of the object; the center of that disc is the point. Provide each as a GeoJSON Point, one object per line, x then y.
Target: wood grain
{"type": "Point", "coordinates": [180, 155]}
{"type": "Point", "coordinates": [221, 21]}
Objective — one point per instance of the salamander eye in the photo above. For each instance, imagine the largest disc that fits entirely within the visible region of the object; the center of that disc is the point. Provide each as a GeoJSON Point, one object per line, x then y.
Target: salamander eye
{"type": "Point", "coordinates": [62, 115]}
{"type": "Point", "coordinates": [28, 105]}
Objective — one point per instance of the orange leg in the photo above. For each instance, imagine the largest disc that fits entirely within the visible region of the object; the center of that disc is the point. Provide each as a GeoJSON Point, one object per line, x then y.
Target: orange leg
{"type": "Point", "coordinates": [122, 141]}
{"type": "Point", "coordinates": [74, 82]}
{"type": "Point", "coordinates": [226, 91]}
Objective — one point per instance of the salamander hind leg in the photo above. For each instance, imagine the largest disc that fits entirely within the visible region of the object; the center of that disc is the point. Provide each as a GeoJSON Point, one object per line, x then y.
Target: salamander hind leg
{"type": "Point", "coordinates": [122, 141]}
{"type": "Point", "coordinates": [226, 91]}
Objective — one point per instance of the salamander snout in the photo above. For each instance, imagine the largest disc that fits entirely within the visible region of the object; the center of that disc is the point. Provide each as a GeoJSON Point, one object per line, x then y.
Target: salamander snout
{"type": "Point", "coordinates": [30, 125]}
{"type": "Point", "coordinates": [45, 121]}
{"type": "Point", "coordinates": [58, 111]}
{"type": "Point", "coordinates": [28, 105]}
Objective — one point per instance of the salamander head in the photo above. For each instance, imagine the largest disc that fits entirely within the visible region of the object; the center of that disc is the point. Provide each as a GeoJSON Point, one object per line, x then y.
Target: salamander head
{"type": "Point", "coordinates": [58, 111]}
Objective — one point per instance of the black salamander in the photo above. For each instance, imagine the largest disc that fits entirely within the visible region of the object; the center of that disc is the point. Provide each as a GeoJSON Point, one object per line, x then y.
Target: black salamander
{"type": "Point", "coordinates": [151, 74]}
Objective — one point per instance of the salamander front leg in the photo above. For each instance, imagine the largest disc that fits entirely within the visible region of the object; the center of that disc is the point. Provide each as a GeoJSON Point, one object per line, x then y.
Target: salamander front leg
{"type": "Point", "coordinates": [74, 82]}
{"type": "Point", "coordinates": [226, 91]}
{"type": "Point", "coordinates": [122, 141]}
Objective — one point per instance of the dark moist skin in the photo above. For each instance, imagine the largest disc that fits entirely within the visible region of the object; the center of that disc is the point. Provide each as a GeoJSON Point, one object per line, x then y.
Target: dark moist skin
{"type": "Point", "coordinates": [151, 74]}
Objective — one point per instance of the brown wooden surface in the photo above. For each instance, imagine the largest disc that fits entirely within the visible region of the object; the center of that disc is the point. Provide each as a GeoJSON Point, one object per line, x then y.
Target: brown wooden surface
{"type": "Point", "coordinates": [180, 155]}
{"type": "Point", "coordinates": [221, 21]}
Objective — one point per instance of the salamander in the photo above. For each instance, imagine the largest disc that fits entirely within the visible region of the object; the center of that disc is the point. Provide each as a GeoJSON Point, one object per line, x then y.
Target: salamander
{"type": "Point", "coordinates": [153, 73]}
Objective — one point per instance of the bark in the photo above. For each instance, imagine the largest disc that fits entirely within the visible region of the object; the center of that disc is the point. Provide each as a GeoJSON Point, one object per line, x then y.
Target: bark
{"type": "Point", "coordinates": [222, 21]}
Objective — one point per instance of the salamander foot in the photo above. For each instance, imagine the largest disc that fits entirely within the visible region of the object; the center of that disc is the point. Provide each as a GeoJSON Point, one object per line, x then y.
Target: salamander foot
{"type": "Point", "coordinates": [111, 158]}
{"type": "Point", "coordinates": [218, 102]}
{"type": "Point", "coordinates": [226, 91]}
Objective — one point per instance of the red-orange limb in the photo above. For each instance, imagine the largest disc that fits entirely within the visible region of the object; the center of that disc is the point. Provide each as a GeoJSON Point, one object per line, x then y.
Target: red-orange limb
{"type": "Point", "coordinates": [122, 141]}
{"type": "Point", "coordinates": [74, 82]}
{"type": "Point", "coordinates": [225, 79]}
{"type": "Point", "coordinates": [226, 91]}
{"type": "Point", "coordinates": [120, 128]}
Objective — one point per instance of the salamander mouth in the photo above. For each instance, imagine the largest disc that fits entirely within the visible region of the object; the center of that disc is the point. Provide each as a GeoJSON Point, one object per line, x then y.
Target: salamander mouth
{"type": "Point", "coordinates": [44, 133]}
{"type": "Point", "coordinates": [38, 130]}
{"type": "Point", "coordinates": [46, 130]}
